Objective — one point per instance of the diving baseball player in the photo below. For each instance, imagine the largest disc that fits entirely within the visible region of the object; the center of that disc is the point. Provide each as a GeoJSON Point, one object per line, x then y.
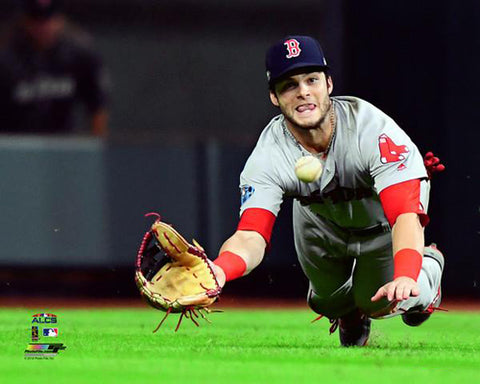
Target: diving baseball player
{"type": "Point", "coordinates": [358, 229]}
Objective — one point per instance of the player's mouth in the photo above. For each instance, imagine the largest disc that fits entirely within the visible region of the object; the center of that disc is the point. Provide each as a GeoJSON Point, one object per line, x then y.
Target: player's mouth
{"type": "Point", "coordinates": [305, 108]}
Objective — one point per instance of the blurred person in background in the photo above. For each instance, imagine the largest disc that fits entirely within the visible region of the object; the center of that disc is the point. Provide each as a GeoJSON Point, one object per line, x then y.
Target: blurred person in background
{"type": "Point", "coordinates": [47, 67]}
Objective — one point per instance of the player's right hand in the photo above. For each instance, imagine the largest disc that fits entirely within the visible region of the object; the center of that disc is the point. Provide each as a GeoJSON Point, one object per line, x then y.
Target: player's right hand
{"type": "Point", "coordinates": [399, 289]}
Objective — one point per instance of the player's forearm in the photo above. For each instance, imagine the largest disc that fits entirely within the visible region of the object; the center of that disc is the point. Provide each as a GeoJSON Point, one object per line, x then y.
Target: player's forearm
{"type": "Point", "coordinates": [408, 243]}
{"type": "Point", "coordinates": [240, 254]}
{"type": "Point", "coordinates": [249, 245]}
{"type": "Point", "coordinates": [408, 233]}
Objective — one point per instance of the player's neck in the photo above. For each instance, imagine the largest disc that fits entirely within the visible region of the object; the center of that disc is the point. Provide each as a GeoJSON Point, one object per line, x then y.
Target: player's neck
{"type": "Point", "coordinates": [318, 139]}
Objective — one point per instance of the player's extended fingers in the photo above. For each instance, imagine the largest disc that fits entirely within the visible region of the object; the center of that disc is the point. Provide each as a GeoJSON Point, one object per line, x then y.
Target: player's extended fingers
{"type": "Point", "coordinates": [391, 291]}
{"type": "Point", "coordinates": [406, 292]}
{"type": "Point", "coordinates": [440, 168]}
{"type": "Point", "coordinates": [398, 295]}
{"type": "Point", "coordinates": [381, 292]}
{"type": "Point", "coordinates": [415, 291]}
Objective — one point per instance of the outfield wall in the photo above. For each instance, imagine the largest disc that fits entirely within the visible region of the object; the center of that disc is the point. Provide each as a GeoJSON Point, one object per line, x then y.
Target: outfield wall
{"type": "Point", "coordinates": [80, 201]}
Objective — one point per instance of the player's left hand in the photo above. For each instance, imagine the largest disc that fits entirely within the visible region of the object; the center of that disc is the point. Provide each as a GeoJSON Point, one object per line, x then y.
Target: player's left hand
{"type": "Point", "coordinates": [174, 275]}
{"type": "Point", "coordinates": [399, 289]}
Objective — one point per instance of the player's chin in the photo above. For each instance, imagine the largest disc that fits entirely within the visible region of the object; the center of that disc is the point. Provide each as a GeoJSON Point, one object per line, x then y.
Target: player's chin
{"type": "Point", "coordinates": [308, 122]}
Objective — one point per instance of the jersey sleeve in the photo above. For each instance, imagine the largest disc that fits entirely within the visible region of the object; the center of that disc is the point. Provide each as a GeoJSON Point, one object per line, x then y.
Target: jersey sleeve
{"type": "Point", "coordinates": [390, 155]}
{"type": "Point", "coordinates": [260, 186]}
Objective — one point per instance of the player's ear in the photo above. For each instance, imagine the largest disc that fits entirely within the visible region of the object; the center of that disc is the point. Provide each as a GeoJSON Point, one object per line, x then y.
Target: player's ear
{"type": "Point", "coordinates": [329, 84]}
{"type": "Point", "coordinates": [274, 99]}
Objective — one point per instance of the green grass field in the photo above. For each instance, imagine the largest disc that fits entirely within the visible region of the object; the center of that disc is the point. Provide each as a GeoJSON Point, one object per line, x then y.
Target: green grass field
{"type": "Point", "coordinates": [254, 346]}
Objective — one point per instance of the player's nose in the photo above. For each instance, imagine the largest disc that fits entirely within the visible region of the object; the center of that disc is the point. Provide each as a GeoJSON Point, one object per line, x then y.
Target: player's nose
{"type": "Point", "coordinates": [303, 90]}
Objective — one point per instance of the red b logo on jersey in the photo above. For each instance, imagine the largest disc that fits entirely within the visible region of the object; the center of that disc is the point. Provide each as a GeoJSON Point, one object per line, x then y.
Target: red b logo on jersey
{"type": "Point", "coordinates": [293, 48]}
{"type": "Point", "coordinates": [389, 151]}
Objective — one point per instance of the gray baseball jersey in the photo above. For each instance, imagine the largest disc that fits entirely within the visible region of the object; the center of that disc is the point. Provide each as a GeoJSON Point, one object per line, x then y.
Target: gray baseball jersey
{"type": "Point", "coordinates": [341, 233]}
{"type": "Point", "coordinates": [369, 152]}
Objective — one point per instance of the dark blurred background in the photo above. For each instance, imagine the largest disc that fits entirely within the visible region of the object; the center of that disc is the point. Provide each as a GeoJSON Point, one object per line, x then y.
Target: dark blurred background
{"type": "Point", "coordinates": [188, 101]}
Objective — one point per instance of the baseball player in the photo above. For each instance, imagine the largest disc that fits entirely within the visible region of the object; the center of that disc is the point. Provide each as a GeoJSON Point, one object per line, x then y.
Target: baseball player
{"type": "Point", "coordinates": [47, 68]}
{"type": "Point", "coordinates": [358, 229]}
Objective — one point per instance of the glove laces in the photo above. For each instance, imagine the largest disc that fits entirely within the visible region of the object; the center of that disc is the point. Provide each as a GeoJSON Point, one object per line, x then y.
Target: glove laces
{"type": "Point", "coordinates": [191, 313]}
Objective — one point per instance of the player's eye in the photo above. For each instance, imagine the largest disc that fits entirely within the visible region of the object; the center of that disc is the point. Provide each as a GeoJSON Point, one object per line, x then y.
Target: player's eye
{"type": "Point", "coordinates": [312, 80]}
{"type": "Point", "coordinates": [289, 85]}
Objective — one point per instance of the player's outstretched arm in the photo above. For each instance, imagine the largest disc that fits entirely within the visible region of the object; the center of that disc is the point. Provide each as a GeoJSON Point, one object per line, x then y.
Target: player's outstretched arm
{"type": "Point", "coordinates": [407, 236]}
{"type": "Point", "coordinates": [408, 243]}
{"type": "Point", "coordinates": [239, 255]}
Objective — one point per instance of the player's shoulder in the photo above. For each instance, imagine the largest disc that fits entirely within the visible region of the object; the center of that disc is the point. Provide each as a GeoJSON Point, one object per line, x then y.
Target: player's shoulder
{"type": "Point", "coordinates": [359, 109]}
{"type": "Point", "coordinates": [362, 116]}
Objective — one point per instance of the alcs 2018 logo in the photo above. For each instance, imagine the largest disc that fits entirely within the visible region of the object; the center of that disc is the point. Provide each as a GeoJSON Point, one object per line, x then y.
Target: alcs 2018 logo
{"type": "Point", "coordinates": [45, 350]}
{"type": "Point", "coordinates": [44, 318]}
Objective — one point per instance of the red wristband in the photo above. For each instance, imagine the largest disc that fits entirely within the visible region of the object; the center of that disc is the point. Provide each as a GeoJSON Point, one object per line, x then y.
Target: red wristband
{"type": "Point", "coordinates": [407, 262]}
{"type": "Point", "coordinates": [233, 265]}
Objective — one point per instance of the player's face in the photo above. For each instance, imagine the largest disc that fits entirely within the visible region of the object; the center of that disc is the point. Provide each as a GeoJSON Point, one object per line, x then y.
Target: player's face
{"type": "Point", "coordinates": [304, 99]}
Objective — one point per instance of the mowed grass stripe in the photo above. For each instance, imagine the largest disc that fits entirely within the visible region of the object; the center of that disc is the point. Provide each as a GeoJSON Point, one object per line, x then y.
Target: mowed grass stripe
{"type": "Point", "coordinates": [268, 346]}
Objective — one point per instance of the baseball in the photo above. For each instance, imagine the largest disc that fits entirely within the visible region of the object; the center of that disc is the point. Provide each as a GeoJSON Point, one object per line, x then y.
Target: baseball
{"type": "Point", "coordinates": [308, 169]}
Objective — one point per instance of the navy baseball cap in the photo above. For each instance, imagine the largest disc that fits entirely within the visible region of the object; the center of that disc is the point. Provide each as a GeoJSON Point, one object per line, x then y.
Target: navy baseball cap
{"type": "Point", "coordinates": [291, 53]}
{"type": "Point", "coordinates": [42, 9]}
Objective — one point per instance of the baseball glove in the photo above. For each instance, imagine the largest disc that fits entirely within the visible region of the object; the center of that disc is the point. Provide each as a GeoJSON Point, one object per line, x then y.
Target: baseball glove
{"type": "Point", "coordinates": [174, 275]}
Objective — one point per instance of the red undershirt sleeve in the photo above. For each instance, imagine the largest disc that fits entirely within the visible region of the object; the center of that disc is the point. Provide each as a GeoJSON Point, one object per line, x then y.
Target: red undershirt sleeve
{"type": "Point", "coordinates": [403, 198]}
{"type": "Point", "coordinates": [259, 220]}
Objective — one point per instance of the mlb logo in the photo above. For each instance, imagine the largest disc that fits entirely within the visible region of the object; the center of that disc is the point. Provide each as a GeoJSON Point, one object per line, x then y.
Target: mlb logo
{"type": "Point", "coordinates": [50, 332]}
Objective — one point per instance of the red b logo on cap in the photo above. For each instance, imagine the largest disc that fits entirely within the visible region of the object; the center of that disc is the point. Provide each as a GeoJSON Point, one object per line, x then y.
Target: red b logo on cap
{"type": "Point", "coordinates": [293, 48]}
